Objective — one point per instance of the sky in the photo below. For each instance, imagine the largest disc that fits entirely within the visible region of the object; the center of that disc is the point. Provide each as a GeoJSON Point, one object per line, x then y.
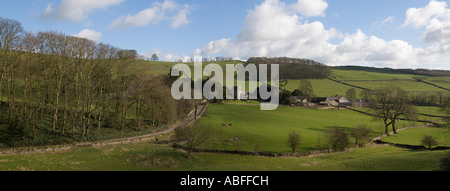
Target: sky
{"type": "Point", "coordinates": [376, 33]}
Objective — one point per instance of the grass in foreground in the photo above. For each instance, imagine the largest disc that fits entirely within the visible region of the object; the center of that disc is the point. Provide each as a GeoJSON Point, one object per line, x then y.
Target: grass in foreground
{"type": "Point", "coordinates": [152, 157]}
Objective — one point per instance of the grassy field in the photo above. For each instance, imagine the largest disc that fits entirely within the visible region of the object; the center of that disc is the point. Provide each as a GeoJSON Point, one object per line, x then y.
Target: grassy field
{"type": "Point", "coordinates": [163, 68]}
{"type": "Point", "coordinates": [414, 136]}
{"type": "Point", "coordinates": [359, 73]}
{"type": "Point", "coordinates": [270, 129]}
{"type": "Point", "coordinates": [421, 110]}
{"type": "Point", "coordinates": [151, 157]}
{"type": "Point", "coordinates": [410, 85]}
{"type": "Point", "coordinates": [440, 81]}
{"type": "Point", "coordinates": [372, 78]}
{"type": "Point", "coordinates": [267, 129]}
{"type": "Point", "coordinates": [363, 77]}
{"type": "Point", "coordinates": [369, 80]}
{"type": "Point", "coordinates": [321, 87]}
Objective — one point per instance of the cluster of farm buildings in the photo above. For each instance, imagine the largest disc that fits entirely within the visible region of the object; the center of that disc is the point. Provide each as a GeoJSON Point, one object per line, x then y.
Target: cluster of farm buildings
{"type": "Point", "coordinates": [332, 101]}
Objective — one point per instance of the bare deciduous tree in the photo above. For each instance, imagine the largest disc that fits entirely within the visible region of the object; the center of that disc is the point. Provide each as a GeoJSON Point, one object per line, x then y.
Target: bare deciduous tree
{"type": "Point", "coordinates": [194, 136]}
{"type": "Point", "coordinates": [391, 103]}
{"type": "Point", "coordinates": [50, 81]}
{"type": "Point", "coordinates": [361, 134]}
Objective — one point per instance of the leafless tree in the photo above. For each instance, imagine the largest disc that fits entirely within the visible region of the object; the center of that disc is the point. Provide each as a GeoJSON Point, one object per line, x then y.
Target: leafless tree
{"type": "Point", "coordinates": [361, 134]}
{"type": "Point", "coordinates": [194, 136]}
{"type": "Point", "coordinates": [391, 103]}
{"type": "Point", "coordinates": [71, 81]}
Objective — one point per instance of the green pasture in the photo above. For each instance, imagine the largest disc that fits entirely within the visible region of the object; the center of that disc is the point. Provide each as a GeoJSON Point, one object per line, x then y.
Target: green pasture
{"type": "Point", "coordinates": [370, 74]}
{"type": "Point", "coordinates": [152, 157]}
{"type": "Point", "coordinates": [408, 85]}
{"type": "Point", "coordinates": [414, 136]}
{"type": "Point", "coordinates": [269, 129]}
{"type": "Point", "coordinates": [321, 87]}
{"type": "Point", "coordinates": [440, 81]}
{"type": "Point", "coordinates": [163, 68]}
{"type": "Point", "coordinates": [435, 111]}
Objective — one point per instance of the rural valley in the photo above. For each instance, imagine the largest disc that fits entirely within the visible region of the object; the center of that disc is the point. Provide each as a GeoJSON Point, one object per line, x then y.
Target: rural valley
{"type": "Point", "coordinates": [74, 102]}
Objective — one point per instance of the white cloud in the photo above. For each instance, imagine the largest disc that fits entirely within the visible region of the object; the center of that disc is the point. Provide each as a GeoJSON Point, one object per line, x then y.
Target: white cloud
{"type": "Point", "coordinates": [435, 20]}
{"type": "Point", "coordinates": [360, 49]}
{"type": "Point", "coordinates": [390, 19]}
{"type": "Point", "coordinates": [273, 30]}
{"type": "Point", "coordinates": [419, 17]}
{"type": "Point", "coordinates": [153, 15]}
{"type": "Point", "coordinates": [311, 8]}
{"type": "Point", "coordinates": [89, 34]}
{"type": "Point", "coordinates": [181, 18]}
{"type": "Point", "coordinates": [435, 17]}
{"type": "Point", "coordinates": [77, 10]}
{"type": "Point", "coordinates": [143, 18]}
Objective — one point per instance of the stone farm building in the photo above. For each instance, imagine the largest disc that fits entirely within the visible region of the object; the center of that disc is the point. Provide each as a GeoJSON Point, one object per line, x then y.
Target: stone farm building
{"type": "Point", "coordinates": [332, 101]}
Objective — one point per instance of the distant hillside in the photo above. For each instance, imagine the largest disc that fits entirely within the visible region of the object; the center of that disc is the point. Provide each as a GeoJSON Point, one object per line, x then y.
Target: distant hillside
{"type": "Point", "coordinates": [294, 68]}
{"type": "Point", "coordinates": [424, 72]}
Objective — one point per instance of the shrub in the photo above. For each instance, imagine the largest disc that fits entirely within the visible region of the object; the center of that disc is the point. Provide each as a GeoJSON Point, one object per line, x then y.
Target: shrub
{"type": "Point", "coordinates": [294, 141]}
{"type": "Point", "coordinates": [429, 141]}
{"type": "Point", "coordinates": [361, 135]}
{"type": "Point", "coordinates": [336, 139]}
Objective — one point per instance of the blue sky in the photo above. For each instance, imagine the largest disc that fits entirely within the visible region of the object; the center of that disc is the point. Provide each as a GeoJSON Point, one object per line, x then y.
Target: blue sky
{"type": "Point", "coordinates": [381, 33]}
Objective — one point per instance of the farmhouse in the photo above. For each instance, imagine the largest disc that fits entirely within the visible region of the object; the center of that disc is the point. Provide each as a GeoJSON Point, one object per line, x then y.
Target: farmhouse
{"type": "Point", "coordinates": [297, 100]}
{"type": "Point", "coordinates": [332, 101]}
{"type": "Point", "coordinates": [340, 100]}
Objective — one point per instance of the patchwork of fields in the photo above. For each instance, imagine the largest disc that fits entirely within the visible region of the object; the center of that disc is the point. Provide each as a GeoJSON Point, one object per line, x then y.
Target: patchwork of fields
{"type": "Point", "coordinates": [267, 131]}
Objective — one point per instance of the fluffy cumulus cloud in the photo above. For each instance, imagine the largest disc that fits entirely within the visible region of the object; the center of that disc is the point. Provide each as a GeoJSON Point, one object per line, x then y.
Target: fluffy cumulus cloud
{"type": "Point", "coordinates": [167, 10]}
{"type": "Point", "coordinates": [311, 8]}
{"type": "Point", "coordinates": [360, 49]}
{"type": "Point", "coordinates": [272, 29]}
{"type": "Point", "coordinates": [435, 17]}
{"type": "Point", "coordinates": [89, 34]}
{"type": "Point", "coordinates": [275, 29]}
{"type": "Point", "coordinates": [76, 10]}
